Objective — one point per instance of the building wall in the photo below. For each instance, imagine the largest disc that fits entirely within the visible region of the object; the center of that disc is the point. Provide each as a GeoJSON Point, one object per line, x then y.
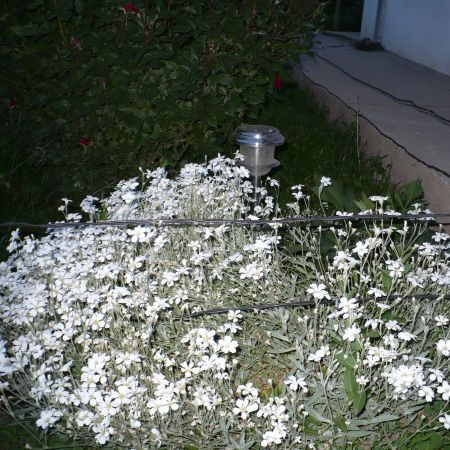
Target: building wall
{"type": "Point", "coordinates": [415, 29]}
{"type": "Point", "coordinates": [369, 19]}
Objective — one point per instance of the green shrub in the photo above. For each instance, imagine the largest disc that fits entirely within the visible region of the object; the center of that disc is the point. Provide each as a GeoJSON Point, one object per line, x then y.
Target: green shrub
{"type": "Point", "coordinates": [152, 80]}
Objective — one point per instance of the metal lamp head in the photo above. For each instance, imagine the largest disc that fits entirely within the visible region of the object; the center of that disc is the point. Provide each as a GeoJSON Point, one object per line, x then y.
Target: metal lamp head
{"type": "Point", "coordinates": [257, 146]}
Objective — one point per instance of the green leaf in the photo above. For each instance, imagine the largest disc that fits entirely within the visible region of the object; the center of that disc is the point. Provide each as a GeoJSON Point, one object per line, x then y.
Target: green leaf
{"type": "Point", "coordinates": [378, 419]}
{"type": "Point", "coordinates": [279, 336]}
{"type": "Point", "coordinates": [412, 192]}
{"type": "Point", "coordinates": [224, 79]}
{"type": "Point", "coordinates": [346, 360]}
{"type": "Point", "coordinates": [26, 30]}
{"type": "Point", "coordinates": [359, 401]}
{"type": "Point", "coordinates": [282, 351]}
{"type": "Point", "coordinates": [372, 334]}
{"type": "Point", "coordinates": [278, 389]}
{"type": "Point", "coordinates": [184, 27]}
{"type": "Point", "coordinates": [364, 203]}
{"type": "Point", "coordinates": [387, 280]}
{"type": "Point", "coordinates": [340, 423]}
{"type": "Point", "coordinates": [350, 385]}
{"type": "Point", "coordinates": [356, 346]}
{"type": "Point", "coordinates": [317, 417]}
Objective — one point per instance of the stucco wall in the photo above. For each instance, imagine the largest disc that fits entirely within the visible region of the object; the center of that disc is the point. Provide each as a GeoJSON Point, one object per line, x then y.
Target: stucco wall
{"type": "Point", "coordinates": [369, 19]}
{"type": "Point", "coordinates": [415, 29]}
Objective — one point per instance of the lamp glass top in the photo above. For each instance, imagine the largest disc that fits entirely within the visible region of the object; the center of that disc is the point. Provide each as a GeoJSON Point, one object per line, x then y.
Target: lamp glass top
{"type": "Point", "coordinates": [258, 135]}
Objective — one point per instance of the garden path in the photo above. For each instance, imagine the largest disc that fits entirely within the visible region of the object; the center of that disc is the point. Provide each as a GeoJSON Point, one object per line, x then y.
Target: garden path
{"type": "Point", "coordinates": [403, 109]}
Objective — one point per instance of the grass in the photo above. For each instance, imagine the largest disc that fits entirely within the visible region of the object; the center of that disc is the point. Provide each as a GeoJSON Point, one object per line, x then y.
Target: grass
{"type": "Point", "coordinates": [314, 146]}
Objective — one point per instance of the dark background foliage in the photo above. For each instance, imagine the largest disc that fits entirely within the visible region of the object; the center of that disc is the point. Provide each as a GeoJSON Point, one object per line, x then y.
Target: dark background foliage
{"type": "Point", "coordinates": [91, 90]}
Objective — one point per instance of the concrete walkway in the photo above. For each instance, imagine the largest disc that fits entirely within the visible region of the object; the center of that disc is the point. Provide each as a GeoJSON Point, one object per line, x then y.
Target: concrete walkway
{"type": "Point", "coordinates": [403, 109]}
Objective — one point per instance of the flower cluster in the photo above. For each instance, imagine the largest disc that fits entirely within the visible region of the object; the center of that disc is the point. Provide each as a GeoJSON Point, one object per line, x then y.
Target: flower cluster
{"type": "Point", "coordinates": [97, 331]}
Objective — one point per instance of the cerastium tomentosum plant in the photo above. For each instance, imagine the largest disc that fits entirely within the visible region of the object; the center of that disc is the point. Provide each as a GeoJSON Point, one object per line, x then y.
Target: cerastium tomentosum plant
{"type": "Point", "coordinates": [92, 336]}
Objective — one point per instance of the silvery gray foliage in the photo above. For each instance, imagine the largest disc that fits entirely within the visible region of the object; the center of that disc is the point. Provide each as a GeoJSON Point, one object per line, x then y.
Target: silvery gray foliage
{"type": "Point", "coordinates": [91, 336]}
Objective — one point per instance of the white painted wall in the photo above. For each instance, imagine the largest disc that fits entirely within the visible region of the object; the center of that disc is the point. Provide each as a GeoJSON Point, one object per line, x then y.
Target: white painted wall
{"type": "Point", "coordinates": [369, 19]}
{"type": "Point", "coordinates": [415, 29]}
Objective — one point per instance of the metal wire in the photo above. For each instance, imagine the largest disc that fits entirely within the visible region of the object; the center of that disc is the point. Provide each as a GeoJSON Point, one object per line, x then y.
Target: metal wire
{"type": "Point", "coordinates": [220, 222]}
{"type": "Point", "coordinates": [298, 304]}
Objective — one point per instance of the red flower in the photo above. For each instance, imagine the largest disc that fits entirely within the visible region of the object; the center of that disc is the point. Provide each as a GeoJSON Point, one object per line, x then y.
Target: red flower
{"type": "Point", "coordinates": [278, 82]}
{"type": "Point", "coordinates": [13, 103]}
{"type": "Point", "coordinates": [129, 7]}
{"type": "Point", "coordinates": [84, 141]}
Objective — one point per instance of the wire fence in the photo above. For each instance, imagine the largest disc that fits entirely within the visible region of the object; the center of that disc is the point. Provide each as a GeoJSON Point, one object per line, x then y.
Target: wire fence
{"type": "Point", "coordinates": [220, 222]}
{"type": "Point", "coordinates": [295, 303]}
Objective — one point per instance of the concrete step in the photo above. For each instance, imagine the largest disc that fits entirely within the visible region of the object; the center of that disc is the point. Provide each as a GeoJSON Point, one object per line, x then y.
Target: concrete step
{"type": "Point", "coordinates": [403, 110]}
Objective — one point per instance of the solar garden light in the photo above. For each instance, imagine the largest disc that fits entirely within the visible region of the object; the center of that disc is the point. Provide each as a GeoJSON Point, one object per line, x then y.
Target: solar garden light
{"type": "Point", "coordinates": [257, 146]}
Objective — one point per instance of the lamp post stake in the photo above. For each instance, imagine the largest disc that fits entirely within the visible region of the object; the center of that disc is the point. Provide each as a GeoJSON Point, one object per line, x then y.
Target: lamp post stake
{"type": "Point", "coordinates": [257, 146]}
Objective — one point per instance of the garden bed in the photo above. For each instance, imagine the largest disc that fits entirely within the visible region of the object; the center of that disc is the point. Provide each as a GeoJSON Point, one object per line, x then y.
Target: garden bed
{"type": "Point", "coordinates": [103, 343]}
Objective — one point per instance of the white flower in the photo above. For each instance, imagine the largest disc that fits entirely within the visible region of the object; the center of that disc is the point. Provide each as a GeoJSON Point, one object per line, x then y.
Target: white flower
{"type": "Point", "coordinates": [294, 383]}
{"type": "Point", "coordinates": [392, 325]}
{"type": "Point", "coordinates": [436, 375]}
{"type": "Point", "coordinates": [404, 378]}
{"type": "Point", "coordinates": [344, 261]}
{"type": "Point", "coordinates": [169, 278]}
{"type": "Point", "coordinates": [396, 268]}
{"type": "Point", "coordinates": [84, 417]}
{"type": "Point", "coordinates": [441, 320]}
{"type": "Point", "coordinates": [157, 435]}
{"type": "Point", "coordinates": [187, 369]}
{"type": "Point", "coordinates": [405, 336]}
{"type": "Point", "coordinates": [227, 345]}
{"type": "Point", "coordinates": [325, 181]}
{"type": "Point", "coordinates": [427, 392]}
{"type": "Point", "coordinates": [247, 389]}
{"type": "Point", "coordinates": [378, 198]}
{"type": "Point", "coordinates": [373, 323]}
{"type": "Point", "coordinates": [440, 237]}
{"type": "Point", "coordinates": [347, 304]}
{"type": "Point", "coordinates": [251, 271]}
{"type": "Point", "coordinates": [362, 381]}
{"type": "Point", "coordinates": [445, 420]}
{"type": "Point", "coordinates": [244, 407]}
{"type": "Point", "coordinates": [97, 321]}
{"type": "Point", "coordinates": [319, 354]}
{"type": "Point", "coordinates": [234, 315]}
{"type": "Point", "coordinates": [377, 293]}
{"type": "Point", "coordinates": [158, 405]}
{"type": "Point", "coordinates": [318, 291]}
{"type": "Point", "coordinates": [128, 197]}
{"type": "Point", "coordinates": [48, 417]}
{"type": "Point", "coordinates": [351, 333]}
{"type": "Point", "coordinates": [84, 334]}
{"type": "Point", "coordinates": [139, 234]}
{"type": "Point", "coordinates": [444, 389]}
{"type": "Point", "coordinates": [443, 347]}
{"type": "Point", "coordinates": [361, 249]}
